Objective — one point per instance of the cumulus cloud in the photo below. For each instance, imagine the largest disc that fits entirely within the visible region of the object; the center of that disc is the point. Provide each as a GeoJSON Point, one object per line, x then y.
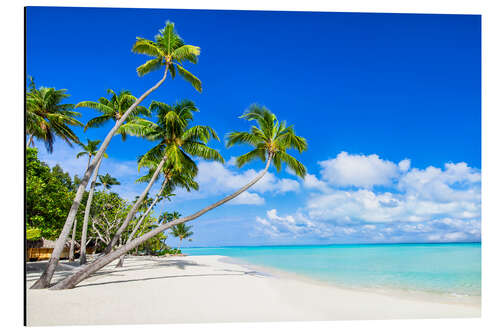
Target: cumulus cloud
{"type": "Point", "coordinates": [215, 178]}
{"type": "Point", "coordinates": [313, 183]}
{"type": "Point", "coordinates": [360, 170]}
{"type": "Point", "coordinates": [430, 204]}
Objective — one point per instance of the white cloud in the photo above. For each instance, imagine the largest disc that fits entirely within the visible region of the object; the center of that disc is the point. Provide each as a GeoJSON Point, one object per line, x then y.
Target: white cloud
{"type": "Point", "coordinates": [312, 182]}
{"type": "Point", "coordinates": [215, 178]}
{"type": "Point", "coordinates": [417, 195]}
{"type": "Point", "coordinates": [457, 182]}
{"type": "Point", "coordinates": [359, 170]}
{"type": "Point", "coordinates": [404, 165]}
{"type": "Point", "coordinates": [275, 225]}
{"type": "Point", "coordinates": [247, 198]}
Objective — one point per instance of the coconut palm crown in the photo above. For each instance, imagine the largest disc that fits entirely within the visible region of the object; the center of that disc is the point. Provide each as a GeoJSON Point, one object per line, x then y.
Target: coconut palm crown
{"type": "Point", "coordinates": [90, 149]}
{"type": "Point", "coordinates": [107, 181]}
{"type": "Point", "coordinates": [177, 141]}
{"type": "Point", "coordinates": [168, 49]}
{"type": "Point", "coordinates": [113, 109]}
{"type": "Point", "coordinates": [47, 117]}
{"type": "Point", "coordinates": [173, 180]}
{"type": "Point", "coordinates": [271, 139]}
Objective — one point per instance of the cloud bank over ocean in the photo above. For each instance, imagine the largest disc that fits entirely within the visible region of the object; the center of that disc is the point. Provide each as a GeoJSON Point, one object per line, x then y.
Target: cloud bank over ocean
{"type": "Point", "coordinates": [353, 198]}
{"type": "Point", "coordinates": [366, 198]}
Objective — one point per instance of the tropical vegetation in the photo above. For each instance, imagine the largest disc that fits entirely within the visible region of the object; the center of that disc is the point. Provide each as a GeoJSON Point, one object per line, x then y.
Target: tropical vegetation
{"type": "Point", "coordinates": [100, 217]}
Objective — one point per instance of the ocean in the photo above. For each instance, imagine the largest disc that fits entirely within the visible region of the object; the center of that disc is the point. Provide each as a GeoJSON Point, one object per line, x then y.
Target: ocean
{"type": "Point", "coordinates": [453, 269]}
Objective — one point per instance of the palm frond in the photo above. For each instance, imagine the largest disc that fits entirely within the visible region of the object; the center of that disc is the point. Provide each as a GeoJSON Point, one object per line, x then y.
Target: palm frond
{"type": "Point", "coordinates": [147, 47]}
{"type": "Point", "coordinates": [298, 168]}
{"type": "Point", "coordinates": [96, 106]}
{"type": "Point", "coordinates": [149, 66]}
{"type": "Point", "coordinates": [186, 52]}
{"type": "Point", "coordinates": [188, 76]}
{"type": "Point", "coordinates": [250, 156]}
{"type": "Point", "coordinates": [201, 150]}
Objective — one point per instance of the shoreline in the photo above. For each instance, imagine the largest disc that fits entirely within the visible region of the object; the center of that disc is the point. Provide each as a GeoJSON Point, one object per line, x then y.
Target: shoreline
{"type": "Point", "coordinates": [409, 294]}
{"type": "Point", "coordinates": [204, 289]}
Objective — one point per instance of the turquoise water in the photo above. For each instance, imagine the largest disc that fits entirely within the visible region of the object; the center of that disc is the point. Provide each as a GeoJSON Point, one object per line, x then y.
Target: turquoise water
{"type": "Point", "coordinates": [442, 268]}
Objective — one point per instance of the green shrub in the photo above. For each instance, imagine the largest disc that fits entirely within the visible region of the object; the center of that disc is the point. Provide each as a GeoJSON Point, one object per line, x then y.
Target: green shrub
{"type": "Point", "coordinates": [33, 234]}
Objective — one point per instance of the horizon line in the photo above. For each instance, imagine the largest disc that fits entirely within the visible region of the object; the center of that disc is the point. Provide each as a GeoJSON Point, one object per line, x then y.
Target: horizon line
{"type": "Point", "coordinates": [402, 243]}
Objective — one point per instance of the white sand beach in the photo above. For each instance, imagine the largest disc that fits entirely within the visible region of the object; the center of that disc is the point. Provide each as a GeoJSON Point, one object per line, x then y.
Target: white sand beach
{"type": "Point", "coordinates": [202, 289]}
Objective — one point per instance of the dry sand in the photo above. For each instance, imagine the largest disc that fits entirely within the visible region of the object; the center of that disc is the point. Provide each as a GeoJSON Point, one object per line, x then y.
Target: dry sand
{"type": "Point", "coordinates": [199, 289]}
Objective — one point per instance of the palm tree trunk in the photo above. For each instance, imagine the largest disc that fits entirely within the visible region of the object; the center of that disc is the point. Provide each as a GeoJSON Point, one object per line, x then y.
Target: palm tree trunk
{"type": "Point", "coordinates": [72, 280]}
{"type": "Point", "coordinates": [71, 256]}
{"type": "Point", "coordinates": [136, 206]}
{"type": "Point", "coordinates": [44, 280]}
{"type": "Point", "coordinates": [143, 217]}
{"type": "Point", "coordinates": [30, 141]}
{"type": "Point", "coordinates": [83, 248]}
{"type": "Point", "coordinates": [179, 248]}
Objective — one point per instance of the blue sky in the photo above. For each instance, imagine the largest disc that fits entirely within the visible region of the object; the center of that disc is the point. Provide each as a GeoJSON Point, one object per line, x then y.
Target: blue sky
{"type": "Point", "coordinates": [390, 105]}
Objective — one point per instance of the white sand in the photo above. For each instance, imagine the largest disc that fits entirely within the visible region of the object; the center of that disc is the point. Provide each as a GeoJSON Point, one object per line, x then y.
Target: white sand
{"type": "Point", "coordinates": [198, 289]}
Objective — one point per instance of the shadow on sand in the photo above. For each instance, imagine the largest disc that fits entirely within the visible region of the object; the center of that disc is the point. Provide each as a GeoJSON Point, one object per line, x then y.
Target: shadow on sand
{"type": "Point", "coordinates": [66, 269]}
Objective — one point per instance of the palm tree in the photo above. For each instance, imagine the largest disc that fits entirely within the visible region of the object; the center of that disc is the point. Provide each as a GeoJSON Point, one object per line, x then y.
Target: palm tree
{"type": "Point", "coordinates": [107, 181]}
{"type": "Point", "coordinates": [113, 109]}
{"type": "Point", "coordinates": [167, 217]}
{"type": "Point", "coordinates": [172, 180]}
{"type": "Point", "coordinates": [176, 142]}
{"type": "Point", "coordinates": [47, 117]}
{"type": "Point", "coordinates": [169, 51]}
{"type": "Point", "coordinates": [270, 139]}
{"type": "Point", "coordinates": [91, 150]}
{"type": "Point", "coordinates": [182, 231]}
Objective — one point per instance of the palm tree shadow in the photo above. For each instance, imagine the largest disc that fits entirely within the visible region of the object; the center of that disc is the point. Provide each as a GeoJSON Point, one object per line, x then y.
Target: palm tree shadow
{"type": "Point", "coordinates": [66, 269]}
{"type": "Point", "coordinates": [237, 273]}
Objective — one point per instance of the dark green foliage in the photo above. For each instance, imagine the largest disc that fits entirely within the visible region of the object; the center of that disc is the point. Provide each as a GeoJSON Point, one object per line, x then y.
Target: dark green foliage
{"type": "Point", "coordinates": [49, 194]}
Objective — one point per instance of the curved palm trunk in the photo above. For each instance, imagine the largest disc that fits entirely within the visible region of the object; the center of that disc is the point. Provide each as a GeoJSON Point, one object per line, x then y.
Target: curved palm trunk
{"type": "Point", "coordinates": [71, 256]}
{"type": "Point", "coordinates": [143, 217]}
{"type": "Point", "coordinates": [136, 206]}
{"type": "Point", "coordinates": [44, 280]}
{"type": "Point", "coordinates": [83, 247]}
{"type": "Point", "coordinates": [83, 273]}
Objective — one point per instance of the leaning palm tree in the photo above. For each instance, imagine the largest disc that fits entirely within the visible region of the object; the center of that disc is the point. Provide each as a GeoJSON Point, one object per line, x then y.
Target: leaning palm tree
{"type": "Point", "coordinates": [176, 142]}
{"type": "Point", "coordinates": [169, 52]}
{"type": "Point", "coordinates": [181, 231]}
{"type": "Point", "coordinates": [47, 117]}
{"type": "Point", "coordinates": [172, 180]}
{"type": "Point", "coordinates": [270, 140]}
{"type": "Point", "coordinates": [91, 150]}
